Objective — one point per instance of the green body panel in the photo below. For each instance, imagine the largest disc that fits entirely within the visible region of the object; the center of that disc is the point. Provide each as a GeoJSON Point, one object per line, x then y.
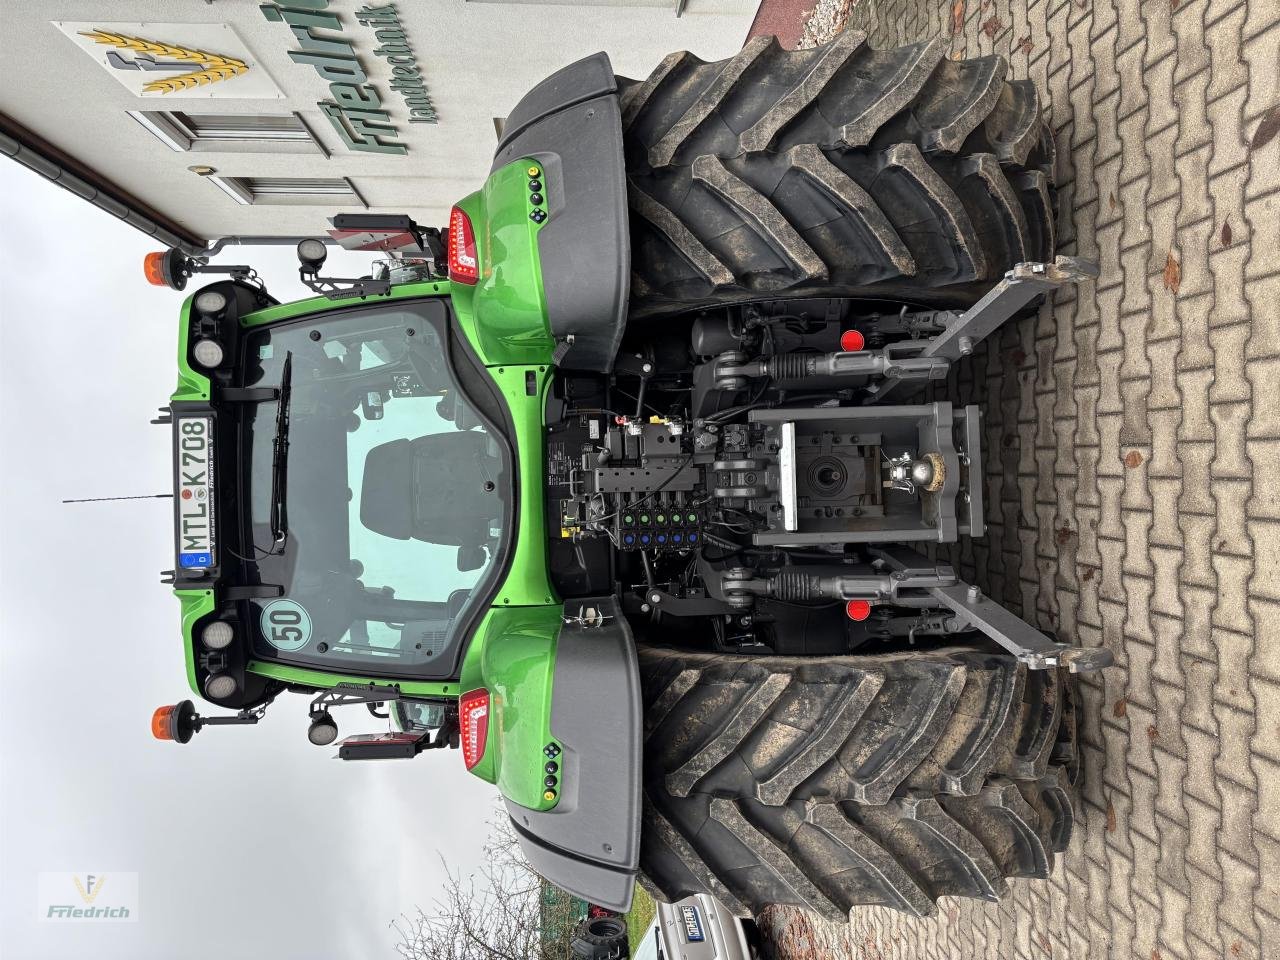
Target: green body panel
{"type": "Point", "coordinates": [289, 311]}
{"type": "Point", "coordinates": [195, 604]}
{"type": "Point", "coordinates": [192, 386]}
{"type": "Point", "coordinates": [505, 314]}
{"type": "Point", "coordinates": [528, 580]}
{"type": "Point", "coordinates": [513, 657]}
{"type": "Point", "coordinates": [322, 680]}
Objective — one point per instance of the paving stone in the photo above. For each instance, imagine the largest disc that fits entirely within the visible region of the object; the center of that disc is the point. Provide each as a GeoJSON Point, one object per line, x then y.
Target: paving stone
{"type": "Point", "coordinates": [1264, 664]}
{"type": "Point", "coordinates": [1145, 420]}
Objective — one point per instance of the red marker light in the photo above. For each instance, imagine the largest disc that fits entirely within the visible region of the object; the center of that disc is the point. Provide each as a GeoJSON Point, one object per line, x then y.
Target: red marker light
{"type": "Point", "coordinates": [858, 610]}
{"type": "Point", "coordinates": [464, 267]}
{"type": "Point", "coordinates": [473, 713]}
{"type": "Point", "coordinates": [851, 341]}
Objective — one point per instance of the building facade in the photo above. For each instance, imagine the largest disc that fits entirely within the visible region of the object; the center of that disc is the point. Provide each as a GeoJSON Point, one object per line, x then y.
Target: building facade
{"type": "Point", "coordinates": [202, 119]}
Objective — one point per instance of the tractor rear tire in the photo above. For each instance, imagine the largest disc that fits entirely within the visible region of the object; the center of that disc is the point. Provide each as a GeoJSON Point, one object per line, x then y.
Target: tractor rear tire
{"type": "Point", "coordinates": [600, 938]}
{"type": "Point", "coordinates": [829, 782]}
{"type": "Point", "coordinates": [839, 171]}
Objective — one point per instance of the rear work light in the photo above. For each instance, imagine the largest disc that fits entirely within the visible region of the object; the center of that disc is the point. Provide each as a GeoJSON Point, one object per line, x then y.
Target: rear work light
{"type": "Point", "coordinates": [473, 716]}
{"type": "Point", "coordinates": [463, 265]}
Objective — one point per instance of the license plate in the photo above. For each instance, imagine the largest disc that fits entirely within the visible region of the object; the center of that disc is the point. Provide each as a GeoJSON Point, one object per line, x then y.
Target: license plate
{"type": "Point", "coordinates": [196, 545]}
{"type": "Point", "coordinates": [692, 924]}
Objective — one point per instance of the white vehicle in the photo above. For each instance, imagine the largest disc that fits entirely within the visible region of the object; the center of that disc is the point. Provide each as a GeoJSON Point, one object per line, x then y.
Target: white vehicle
{"type": "Point", "coordinates": [696, 928]}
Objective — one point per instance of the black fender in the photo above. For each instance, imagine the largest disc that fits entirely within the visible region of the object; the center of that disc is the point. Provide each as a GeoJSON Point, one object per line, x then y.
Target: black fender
{"type": "Point", "coordinates": [571, 123]}
{"type": "Point", "coordinates": [588, 844]}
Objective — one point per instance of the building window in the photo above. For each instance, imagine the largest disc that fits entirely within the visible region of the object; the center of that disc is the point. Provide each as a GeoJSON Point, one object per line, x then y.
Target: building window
{"type": "Point", "coordinates": [229, 132]}
{"type": "Point", "coordinates": [297, 191]}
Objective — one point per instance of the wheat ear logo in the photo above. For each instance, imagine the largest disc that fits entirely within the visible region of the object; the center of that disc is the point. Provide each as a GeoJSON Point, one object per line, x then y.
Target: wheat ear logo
{"type": "Point", "coordinates": [212, 66]}
{"type": "Point", "coordinates": [91, 887]}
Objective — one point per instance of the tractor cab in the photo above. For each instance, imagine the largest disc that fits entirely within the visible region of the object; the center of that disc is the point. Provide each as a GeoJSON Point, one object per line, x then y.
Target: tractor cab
{"type": "Point", "coordinates": [343, 501]}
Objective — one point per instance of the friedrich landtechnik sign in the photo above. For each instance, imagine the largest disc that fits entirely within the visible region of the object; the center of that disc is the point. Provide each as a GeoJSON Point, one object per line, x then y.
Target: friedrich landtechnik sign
{"type": "Point", "coordinates": [356, 110]}
{"type": "Point", "coordinates": [395, 49]}
{"type": "Point", "coordinates": [173, 60]}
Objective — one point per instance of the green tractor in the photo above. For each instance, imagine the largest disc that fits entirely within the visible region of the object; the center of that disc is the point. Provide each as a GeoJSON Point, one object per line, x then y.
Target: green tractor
{"type": "Point", "coordinates": [630, 483]}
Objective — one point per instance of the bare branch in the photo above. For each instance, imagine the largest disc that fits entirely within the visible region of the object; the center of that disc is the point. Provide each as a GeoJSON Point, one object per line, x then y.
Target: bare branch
{"type": "Point", "coordinates": [502, 912]}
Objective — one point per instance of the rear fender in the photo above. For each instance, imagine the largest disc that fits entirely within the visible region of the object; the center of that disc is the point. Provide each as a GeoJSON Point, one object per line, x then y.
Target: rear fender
{"type": "Point", "coordinates": [571, 124]}
{"type": "Point", "coordinates": [588, 844]}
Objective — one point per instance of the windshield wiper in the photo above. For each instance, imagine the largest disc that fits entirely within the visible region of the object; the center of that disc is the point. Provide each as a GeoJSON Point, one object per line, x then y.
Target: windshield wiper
{"type": "Point", "coordinates": [280, 457]}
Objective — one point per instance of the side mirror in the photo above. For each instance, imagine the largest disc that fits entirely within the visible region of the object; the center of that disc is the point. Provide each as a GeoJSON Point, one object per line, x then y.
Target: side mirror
{"type": "Point", "coordinates": [371, 405]}
{"type": "Point", "coordinates": [471, 558]}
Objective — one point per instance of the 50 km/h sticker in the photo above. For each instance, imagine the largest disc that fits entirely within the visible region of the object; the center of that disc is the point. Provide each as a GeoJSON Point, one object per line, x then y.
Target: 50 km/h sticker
{"type": "Point", "coordinates": [286, 625]}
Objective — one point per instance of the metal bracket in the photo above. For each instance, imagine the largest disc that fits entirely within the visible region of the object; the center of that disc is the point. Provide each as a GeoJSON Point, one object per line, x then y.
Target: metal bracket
{"type": "Point", "coordinates": [340, 288]}
{"type": "Point", "coordinates": [252, 591]}
{"type": "Point", "coordinates": [1024, 641]}
{"type": "Point", "coordinates": [587, 617]}
{"type": "Point", "coordinates": [345, 694]}
{"type": "Point", "coordinates": [1020, 286]}
{"type": "Point", "coordinates": [972, 610]}
{"type": "Point", "coordinates": [905, 360]}
{"type": "Point", "coordinates": [249, 394]}
{"type": "Point", "coordinates": [699, 606]}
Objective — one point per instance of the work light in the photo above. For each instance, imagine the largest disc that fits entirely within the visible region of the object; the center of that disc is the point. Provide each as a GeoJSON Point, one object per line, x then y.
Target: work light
{"type": "Point", "coordinates": [220, 686]}
{"type": "Point", "coordinates": [208, 353]}
{"type": "Point", "coordinates": [322, 731]}
{"type": "Point", "coordinates": [312, 254]}
{"type": "Point", "coordinates": [211, 303]}
{"type": "Point", "coordinates": [217, 635]}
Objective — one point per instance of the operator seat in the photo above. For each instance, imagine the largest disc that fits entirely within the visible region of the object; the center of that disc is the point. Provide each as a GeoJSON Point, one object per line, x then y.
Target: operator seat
{"type": "Point", "coordinates": [432, 489]}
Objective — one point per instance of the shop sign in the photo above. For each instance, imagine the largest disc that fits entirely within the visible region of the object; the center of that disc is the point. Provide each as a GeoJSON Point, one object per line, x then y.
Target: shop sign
{"type": "Point", "coordinates": [356, 107]}
{"type": "Point", "coordinates": [169, 60]}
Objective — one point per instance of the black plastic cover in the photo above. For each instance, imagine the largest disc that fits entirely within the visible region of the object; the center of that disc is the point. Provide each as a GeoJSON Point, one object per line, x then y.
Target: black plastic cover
{"type": "Point", "coordinates": [587, 79]}
{"type": "Point", "coordinates": [589, 843]}
{"type": "Point", "coordinates": [571, 124]}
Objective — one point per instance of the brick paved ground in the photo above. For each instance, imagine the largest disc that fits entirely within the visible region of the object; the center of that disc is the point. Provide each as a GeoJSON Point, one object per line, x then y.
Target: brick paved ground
{"type": "Point", "coordinates": [1134, 451]}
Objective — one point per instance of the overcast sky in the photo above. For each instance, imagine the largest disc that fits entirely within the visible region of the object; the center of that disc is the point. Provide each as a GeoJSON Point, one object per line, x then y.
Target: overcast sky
{"type": "Point", "coordinates": [249, 842]}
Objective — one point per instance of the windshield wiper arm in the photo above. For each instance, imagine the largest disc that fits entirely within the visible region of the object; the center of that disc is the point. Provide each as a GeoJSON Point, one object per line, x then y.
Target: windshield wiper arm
{"type": "Point", "coordinates": [280, 456]}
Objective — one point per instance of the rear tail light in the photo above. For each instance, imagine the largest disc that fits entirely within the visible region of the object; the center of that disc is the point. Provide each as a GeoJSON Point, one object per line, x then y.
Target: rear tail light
{"type": "Point", "coordinates": [463, 265]}
{"type": "Point", "coordinates": [473, 714]}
